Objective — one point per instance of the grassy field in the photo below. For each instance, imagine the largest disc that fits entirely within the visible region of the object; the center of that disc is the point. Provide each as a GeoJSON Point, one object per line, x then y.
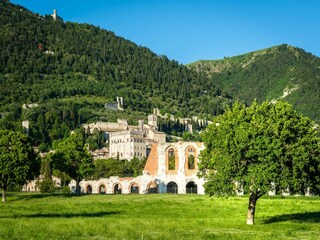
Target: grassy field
{"type": "Point", "coordinates": [39, 216]}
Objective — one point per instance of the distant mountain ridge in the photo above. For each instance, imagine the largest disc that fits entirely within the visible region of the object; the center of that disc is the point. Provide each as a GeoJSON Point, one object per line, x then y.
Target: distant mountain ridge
{"type": "Point", "coordinates": [280, 72]}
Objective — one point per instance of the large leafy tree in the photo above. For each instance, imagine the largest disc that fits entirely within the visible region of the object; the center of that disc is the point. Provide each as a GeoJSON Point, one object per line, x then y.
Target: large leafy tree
{"type": "Point", "coordinates": [261, 148]}
{"type": "Point", "coordinates": [72, 157]}
{"type": "Point", "coordinates": [18, 161]}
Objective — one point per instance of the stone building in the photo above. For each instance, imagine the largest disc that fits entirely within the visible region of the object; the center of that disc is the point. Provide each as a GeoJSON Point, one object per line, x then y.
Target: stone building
{"type": "Point", "coordinates": [170, 168]}
{"type": "Point", "coordinates": [135, 141]}
{"type": "Point", "coordinates": [127, 144]}
{"type": "Point", "coordinates": [26, 127]}
{"type": "Point", "coordinates": [128, 141]}
{"type": "Point", "coordinates": [33, 185]}
{"type": "Point", "coordinates": [120, 125]}
{"type": "Point", "coordinates": [100, 153]}
{"type": "Point", "coordinates": [114, 106]}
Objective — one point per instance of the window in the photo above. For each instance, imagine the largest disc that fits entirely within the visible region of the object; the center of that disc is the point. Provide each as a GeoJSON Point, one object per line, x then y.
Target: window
{"type": "Point", "coordinates": [171, 159]}
{"type": "Point", "coordinates": [191, 158]}
{"type": "Point", "coordinates": [191, 162]}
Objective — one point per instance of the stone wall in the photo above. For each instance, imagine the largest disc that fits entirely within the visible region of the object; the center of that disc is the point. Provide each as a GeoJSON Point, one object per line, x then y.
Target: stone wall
{"type": "Point", "coordinates": [156, 178]}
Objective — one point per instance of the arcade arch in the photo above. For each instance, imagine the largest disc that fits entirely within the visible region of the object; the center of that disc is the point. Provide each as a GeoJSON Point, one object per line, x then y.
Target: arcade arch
{"type": "Point", "coordinates": [102, 188]}
{"type": "Point", "coordinates": [152, 187]}
{"type": "Point", "coordinates": [192, 187]}
{"type": "Point", "coordinates": [172, 187]}
{"type": "Point", "coordinates": [89, 189]}
{"type": "Point", "coordinates": [117, 188]}
{"type": "Point", "coordinates": [134, 188]}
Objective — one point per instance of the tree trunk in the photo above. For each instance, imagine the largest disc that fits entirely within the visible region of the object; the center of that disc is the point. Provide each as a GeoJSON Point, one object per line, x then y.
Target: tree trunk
{"type": "Point", "coordinates": [4, 195]}
{"type": "Point", "coordinates": [251, 208]}
{"type": "Point", "coordinates": [77, 187]}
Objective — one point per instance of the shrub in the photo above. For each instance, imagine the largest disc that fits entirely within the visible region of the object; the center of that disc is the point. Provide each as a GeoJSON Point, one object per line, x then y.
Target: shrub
{"type": "Point", "coordinates": [65, 190]}
{"type": "Point", "coordinates": [47, 186]}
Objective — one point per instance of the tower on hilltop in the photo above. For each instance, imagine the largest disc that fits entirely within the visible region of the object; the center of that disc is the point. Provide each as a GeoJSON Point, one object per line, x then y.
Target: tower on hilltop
{"type": "Point", "coordinates": [55, 15]}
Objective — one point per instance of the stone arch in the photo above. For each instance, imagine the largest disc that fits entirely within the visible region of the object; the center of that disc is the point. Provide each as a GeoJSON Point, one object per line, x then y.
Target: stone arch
{"type": "Point", "coordinates": [117, 188]}
{"type": "Point", "coordinates": [152, 187]}
{"type": "Point", "coordinates": [172, 187]}
{"type": "Point", "coordinates": [102, 188]}
{"type": "Point", "coordinates": [134, 188]}
{"type": "Point", "coordinates": [95, 129]}
{"type": "Point", "coordinates": [172, 160]}
{"type": "Point", "coordinates": [191, 160]}
{"type": "Point", "coordinates": [88, 189]}
{"type": "Point", "coordinates": [192, 187]}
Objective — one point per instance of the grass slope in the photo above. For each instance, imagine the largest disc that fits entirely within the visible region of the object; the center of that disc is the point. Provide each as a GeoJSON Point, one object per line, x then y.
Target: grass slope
{"type": "Point", "coordinates": [38, 216]}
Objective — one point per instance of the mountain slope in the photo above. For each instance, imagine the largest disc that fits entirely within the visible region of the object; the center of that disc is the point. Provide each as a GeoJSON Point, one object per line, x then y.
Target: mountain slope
{"type": "Point", "coordinates": [42, 59]}
{"type": "Point", "coordinates": [68, 71]}
{"type": "Point", "coordinates": [281, 72]}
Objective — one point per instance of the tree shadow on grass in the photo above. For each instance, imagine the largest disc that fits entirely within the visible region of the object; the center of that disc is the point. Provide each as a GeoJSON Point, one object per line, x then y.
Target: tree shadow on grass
{"type": "Point", "coordinates": [311, 217]}
{"type": "Point", "coordinates": [30, 196]}
{"type": "Point", "coordinates": [63, 215]}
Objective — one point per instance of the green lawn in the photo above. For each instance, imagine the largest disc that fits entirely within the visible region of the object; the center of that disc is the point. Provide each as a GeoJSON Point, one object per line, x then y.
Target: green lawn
{"type": "Point", "coordinates": [39, 216]}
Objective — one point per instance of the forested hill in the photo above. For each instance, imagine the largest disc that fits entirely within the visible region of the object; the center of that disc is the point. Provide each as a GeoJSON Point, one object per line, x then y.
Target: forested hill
{"type": "Point", "coordinates": [281, 72]}
{"type": "Point", "coordinates": [43, 60]}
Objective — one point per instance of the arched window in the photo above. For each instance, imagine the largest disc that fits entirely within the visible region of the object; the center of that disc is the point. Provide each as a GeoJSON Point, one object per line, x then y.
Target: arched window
{"type": "Point", "coordinates": [171, 159]}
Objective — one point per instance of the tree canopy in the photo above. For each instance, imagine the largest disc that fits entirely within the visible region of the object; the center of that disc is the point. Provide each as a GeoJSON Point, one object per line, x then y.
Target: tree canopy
{"type": "Point", "coordinates": [18, 161]}
{"type": "Point", "coordinates": [73, 158]}
{"type": "Point", "coordinates": [261, 148]}
{"type": "Point", "coordinates": [105, 168]}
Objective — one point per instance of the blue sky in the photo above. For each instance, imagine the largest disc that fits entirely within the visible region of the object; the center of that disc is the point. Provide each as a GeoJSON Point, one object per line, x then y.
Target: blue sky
{"type": "Point", "coordinates": [191, 30]}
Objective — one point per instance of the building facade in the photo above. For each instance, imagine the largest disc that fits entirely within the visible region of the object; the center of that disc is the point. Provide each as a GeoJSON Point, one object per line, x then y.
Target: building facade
{"type": "Point", "coordinates": [127, 145]}
{"type": "Point", "coordinates": [128, 141]}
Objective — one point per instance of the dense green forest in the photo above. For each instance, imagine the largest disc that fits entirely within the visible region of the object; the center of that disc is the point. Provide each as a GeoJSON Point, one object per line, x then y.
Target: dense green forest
{"type": "Point", "coordinates": [71, 70]}
{"type": "Point", "coordinates": [267, 74]}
